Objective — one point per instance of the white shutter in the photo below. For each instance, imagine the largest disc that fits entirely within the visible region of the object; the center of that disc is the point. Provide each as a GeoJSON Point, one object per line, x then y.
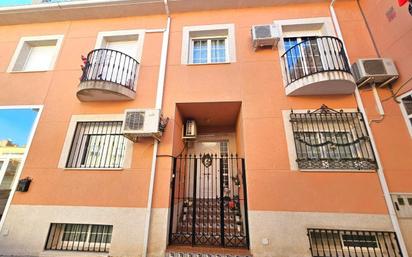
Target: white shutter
{"type": "Point", "coordinates": [39, 58]}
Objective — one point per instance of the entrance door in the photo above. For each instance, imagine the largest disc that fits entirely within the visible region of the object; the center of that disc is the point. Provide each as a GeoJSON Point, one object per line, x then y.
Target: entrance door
{"type": "Point", "coordinates": [208, 180]}
{"type": "Point", "coordinates": [209, 206]}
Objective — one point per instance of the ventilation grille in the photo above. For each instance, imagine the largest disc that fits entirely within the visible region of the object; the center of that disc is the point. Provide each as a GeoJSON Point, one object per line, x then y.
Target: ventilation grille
{"type": "Point", "coordinates": [374, 67]}
{"type": "Point", "coordinates": [263, 31]}
{"type": "Point", "coordinates": [134, 120]}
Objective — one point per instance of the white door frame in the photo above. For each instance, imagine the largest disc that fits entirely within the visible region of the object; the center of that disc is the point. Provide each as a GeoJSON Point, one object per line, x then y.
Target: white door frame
{"type": "Point", "coordinates": [23, 157]}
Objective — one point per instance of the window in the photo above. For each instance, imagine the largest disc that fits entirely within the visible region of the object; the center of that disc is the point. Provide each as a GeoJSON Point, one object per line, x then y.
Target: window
{"type": "Point", "coordinates": [209, 50]}
{"type": "Point", "coordinates": [403, 204]}
{"type": "Point", "coordinates": [36, 53]}
{"type": "Point", "coordinates": [208, 44]}
{"type": "Point", "coordinates": [97, 144]}
{"type": "Point", "coordinates": [340, 243]}
{"type": "Point", "coordinates": [79, 237]}
{"type": "Point", "coordinates": [305, 58]}
{"type": "Point", "coordinates": [406, 107]}
{"type": "Point", "coordinates": [330, 139]}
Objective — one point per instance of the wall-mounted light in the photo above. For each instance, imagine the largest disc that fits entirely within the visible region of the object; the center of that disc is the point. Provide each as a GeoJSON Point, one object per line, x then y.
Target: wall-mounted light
{"type": "Point", "coordinates": [24, 184]}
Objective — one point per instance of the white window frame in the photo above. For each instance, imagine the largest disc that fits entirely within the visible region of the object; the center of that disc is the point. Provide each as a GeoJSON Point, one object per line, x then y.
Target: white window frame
{"type": "Point", "coordinates": [28, 40]}
{"type": "Point", "coordinates": [404, 113]}
{"type": "Point", "coordinates": [90, 118]}
{"type": "Point", "coordinates": [290, 141]}
{"type": "Point", "coordinates": [188, 39]}
{"type": "Point", "coordinates": [209, 49]}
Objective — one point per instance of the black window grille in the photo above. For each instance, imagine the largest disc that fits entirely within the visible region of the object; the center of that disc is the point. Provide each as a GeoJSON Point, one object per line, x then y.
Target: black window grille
{"type": "Point", "coordinates": [79, 237]}
{"type": "Point", "coordinates": [337, 243]}
{"type": "Point", "coordinates": [330, 139]}
{"type": "Point", "coordinates": [99, 144]}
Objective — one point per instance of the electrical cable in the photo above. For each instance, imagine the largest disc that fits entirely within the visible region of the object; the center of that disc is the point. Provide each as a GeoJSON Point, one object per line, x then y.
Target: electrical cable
{"type": "Point", "coordinates": [394, 95]}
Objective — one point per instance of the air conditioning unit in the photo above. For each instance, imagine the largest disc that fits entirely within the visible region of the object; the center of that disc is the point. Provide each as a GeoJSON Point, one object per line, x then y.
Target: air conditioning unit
{"type": "Point", "coordinates": [141, 123]}
{"type": "Point", "coordinates": [190, 130]}
{"type": "Point", "coordinates": [380, 71]}
{"type": "Point", "coordinates": [265, 35]}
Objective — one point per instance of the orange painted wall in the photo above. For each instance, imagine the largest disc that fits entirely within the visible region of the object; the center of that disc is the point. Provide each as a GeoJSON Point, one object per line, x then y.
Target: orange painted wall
{"type": "Point", "coordinates": [255, 80]}
{"type": "Point", "coordinates": [393, 39]}
{"type": "Point", "coordinates": [57, 91]}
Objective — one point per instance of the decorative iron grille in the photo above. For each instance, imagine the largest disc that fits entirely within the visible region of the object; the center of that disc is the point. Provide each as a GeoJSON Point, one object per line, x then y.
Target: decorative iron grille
{"type": "Point", "coordinates": [97, 145]}
{"type": "Point", "coordinates": [330, 139]}
{"type": "Point", "coordinates": [314, 55]}
{"type": "Point", "coordinates": [357, 243]}
{"type": "Point", "coordinates": [209, 201]}
{"type": "Point", "coordinates": [110, 66]}
{"type": "Point", "coordinates": [79, 237]}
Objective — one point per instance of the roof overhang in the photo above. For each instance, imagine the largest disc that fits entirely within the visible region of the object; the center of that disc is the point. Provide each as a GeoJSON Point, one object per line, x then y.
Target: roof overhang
{"type": "Point", "coordinates": [99, 9]}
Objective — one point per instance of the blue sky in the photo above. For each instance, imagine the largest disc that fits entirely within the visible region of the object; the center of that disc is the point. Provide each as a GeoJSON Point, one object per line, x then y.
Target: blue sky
{"type": "Point", "coordinates": [14, 2]}
{"type": "Point", "coordinates": [15, 124]}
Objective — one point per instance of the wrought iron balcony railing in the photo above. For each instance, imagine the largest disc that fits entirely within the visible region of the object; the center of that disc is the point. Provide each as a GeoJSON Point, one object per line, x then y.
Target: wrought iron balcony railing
{"type": "Point", "coordinates": [330, 139]}
{"type": "Point", "coordinates": [353, 243]}
{"type": "Point", "coordinates": [312, 56]}
{"type": "Point", "coordinates": [109, 65]}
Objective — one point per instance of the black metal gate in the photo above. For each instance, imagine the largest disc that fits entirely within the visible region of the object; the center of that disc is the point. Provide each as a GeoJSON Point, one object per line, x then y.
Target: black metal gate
{"type": "Point", "coordinates": [209, 201]}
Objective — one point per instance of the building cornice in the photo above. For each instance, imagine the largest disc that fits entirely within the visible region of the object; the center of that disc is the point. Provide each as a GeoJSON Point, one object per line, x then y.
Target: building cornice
{"type": "Point", "coordinates": [100, 9]}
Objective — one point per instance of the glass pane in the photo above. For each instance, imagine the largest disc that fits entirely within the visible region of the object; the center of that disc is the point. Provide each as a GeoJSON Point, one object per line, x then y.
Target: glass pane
{"type": "Point", "coordinates": [407, 102]}
{"type": "Point", "coordinates": [9, 175]}
{"type": "Point", "coordinates": [199, 51]}
{"type": "Point", "coordinates": [218, 51]}
{"type": "Point", "coordinates": [293, 58]}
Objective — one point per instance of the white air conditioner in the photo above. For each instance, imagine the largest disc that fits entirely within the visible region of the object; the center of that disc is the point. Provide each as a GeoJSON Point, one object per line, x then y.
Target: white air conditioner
{"type": "Point", "coordinates": [141, 123]}
{"type": "Point", "coordinates": [265, 35]}
{"type": "Point", "coordinates": [190, 130]}
{"type": "Point", "coordinates": [380, 71]}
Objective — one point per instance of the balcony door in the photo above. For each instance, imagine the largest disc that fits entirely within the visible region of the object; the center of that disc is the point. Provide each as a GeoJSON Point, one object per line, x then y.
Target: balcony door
{"type": "Point", "coordinates": [120, 68]}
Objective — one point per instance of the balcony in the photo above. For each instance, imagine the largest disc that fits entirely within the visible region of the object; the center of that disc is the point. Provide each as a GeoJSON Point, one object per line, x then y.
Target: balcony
{"type": "Point", "coordinates": [108, 75]}
{"type": "Point", "coordinates": [317, 66]}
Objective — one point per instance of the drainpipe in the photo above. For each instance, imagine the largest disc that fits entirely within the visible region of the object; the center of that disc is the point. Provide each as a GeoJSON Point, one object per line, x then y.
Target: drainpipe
{"type": "Point", "coordinates": [158, 105]}
{"type": "Point", "coordinates": [380, 171]}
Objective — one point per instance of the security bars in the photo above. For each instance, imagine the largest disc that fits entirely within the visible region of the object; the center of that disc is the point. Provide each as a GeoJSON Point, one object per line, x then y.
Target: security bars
{"type": "Point", "coordinates": [97, 145]}
{"type": "Point", "coordinates": [209, 201]}
{"type": "Point", "coordinates": [330, 139]}
{"type": "Point", "coordinates": [79, 237]}
{"type": "Point", "coordinates": [353, 243]}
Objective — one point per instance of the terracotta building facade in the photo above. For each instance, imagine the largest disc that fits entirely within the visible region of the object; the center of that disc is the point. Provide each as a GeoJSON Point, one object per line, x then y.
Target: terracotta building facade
{"type": "Point", "coordinates": [251, 146]}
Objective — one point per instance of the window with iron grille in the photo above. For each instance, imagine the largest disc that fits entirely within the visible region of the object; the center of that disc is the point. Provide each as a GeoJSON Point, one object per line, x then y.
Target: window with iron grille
{"type": "Point", "coordinates": [79, 237]}
{"type": "Point", "coordinates": [330, 139]}
{"type": "Point", "coordinates": [340, 243]}
{"type": "Point", "coordinates": [98, 144]}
